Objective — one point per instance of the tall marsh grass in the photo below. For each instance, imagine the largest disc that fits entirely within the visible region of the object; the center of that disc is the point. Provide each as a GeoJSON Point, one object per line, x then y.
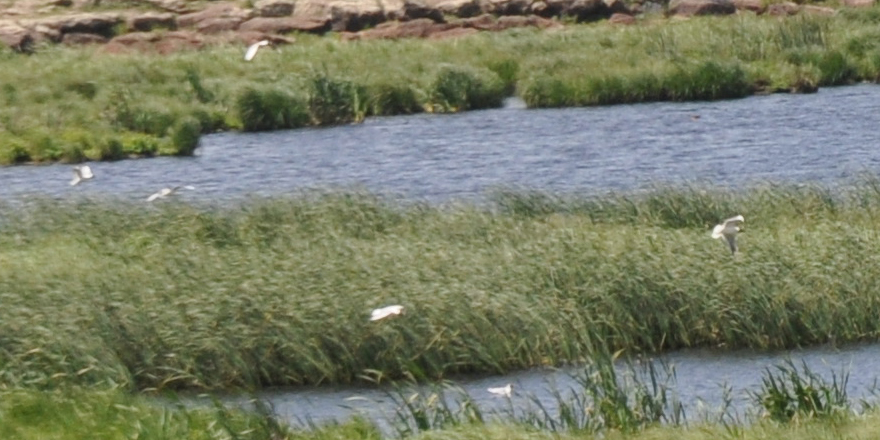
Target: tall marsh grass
{"type": "Point", "coordinates": [130, 104]}
{"type": "Point", "coordinates": [278, 291]}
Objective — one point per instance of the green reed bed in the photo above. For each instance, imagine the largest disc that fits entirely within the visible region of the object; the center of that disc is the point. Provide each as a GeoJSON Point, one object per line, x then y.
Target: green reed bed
{"type": "Point", "coordinates": [73, 104]}
{"type": "Point", "coordinates": [278, 291]}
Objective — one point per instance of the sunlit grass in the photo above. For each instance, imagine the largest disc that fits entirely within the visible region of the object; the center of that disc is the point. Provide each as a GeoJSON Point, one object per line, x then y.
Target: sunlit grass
{"type": "Point", "coordinates": [111, 106]}
{"type": "Point", "coordinates": [279, 291]}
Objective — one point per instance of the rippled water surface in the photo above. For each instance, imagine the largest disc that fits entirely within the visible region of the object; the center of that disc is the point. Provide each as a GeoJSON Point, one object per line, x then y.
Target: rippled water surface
{"type": "Point", "coordinates": [699, 382]}
{"type": "Point", "coordinates": [827, 136]}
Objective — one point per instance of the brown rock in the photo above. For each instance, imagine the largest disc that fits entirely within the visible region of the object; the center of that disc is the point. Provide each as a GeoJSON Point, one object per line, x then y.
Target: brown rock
{"type": "Point", "coordinates": [219, 24]}
{"type": "Point", "coordinates": [147, 21]}
{"type": "Point", "coordinates": [43, 33]}
{"type": "Point", "coordinates": [419, 28]}
{"type": "Point", "coordinates": [354, 17]}
{"type": "Point", "coordinates": [458, 8]}
{"type": "Point", "coordinates": [16, 37]}
{"type": "Point", "coordinates": [79, 39]}
{"type": "Point", "coordinates": [581, 10]}
{"type": "Point", "coordinates": [507, 7]}
{"type": "Point", "coordinates": [413, 9]}
{"type": "Point", "coordinates": [783, 9]}
{"type": "Point", "coordinates": [274, 8]}
{"type": "Point", "coordinates": [283, 25]}
{"type": "Point", "coordinates": [756, 6]}
{"type": "Point", "coordinates": [163, 43]}
{"type": "Point", "coordinates": [617, 7]}
{"type": "Point", "coordinates": [485, 22]}
{"type": "Point", "coordinates": [176, 6]}
{"type": "Point", "coordinates": [617, 18]}
{"type": "Point", "coordinates": [689, 8]}
{"type": "Point", "coordinates": [220, 10]}
{"type": "Point", "coordinates": [511, 21]}
{"type": "Point", "coordinates": [452, 33]}
{"type": "Point", "coordinates": [250, 37]}
{"type": "Point", "coordinates": [818, 10]}
{"type": "Point", "coordinates": [87, 23]}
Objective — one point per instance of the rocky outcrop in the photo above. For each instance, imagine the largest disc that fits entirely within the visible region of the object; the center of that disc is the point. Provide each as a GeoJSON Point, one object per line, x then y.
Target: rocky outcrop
{"type": "Point", "coordinates": [99, 24]}
{"type": "Point", "coordinates": [756, 6]}
{"type": "Point", "coordinates": [236, 20]}
{"type": "Point", "coordinates": [273, 8]}
{"type": "Point", "coordinates": [79, 39]}
{"type": "Point", "coordinates": [163, 43]}
{"type": "Point", "coordinates": [488, 22]}
{"type": "Point", "coordinates": [227, 12]}
{"type": "Point", "coordinates": [818, 10]}
{"type": "Point", "coordinates": [783, 9]}
{"type": "Point", "coordinates": [176, 6]}
{"type": "Point", "coordinates": [148, 21]}
{"type": "Point", "coordinates": [418, 28]}
{"type": "Point", "coordinates": [284, 25]}
{"type": "Point", "coordinates": [687, 8]}
{"type": "Point", "coordinates": [16, 37]}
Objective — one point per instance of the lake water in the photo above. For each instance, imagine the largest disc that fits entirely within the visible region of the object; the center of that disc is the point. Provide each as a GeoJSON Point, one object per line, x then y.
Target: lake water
{"type": "Point", "coordinates": [827, 137]}
{"type": "Point", "coordinates": [824, 137]}
{"type": "Point", "coordinates": [699, 383]}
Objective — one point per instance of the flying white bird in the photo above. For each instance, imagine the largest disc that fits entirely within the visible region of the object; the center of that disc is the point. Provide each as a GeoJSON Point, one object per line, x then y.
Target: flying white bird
{"type": "Point", "coordinates": [502, 391]}
{"type": "Point", "coordinates": [385, 312]}
{"type": "Point", "coordinates": [165, 192]}
{"type": "Point", "coordinates": [253, 48]}
{"type": "Point", "coordinates": [728, 229]}
{"type": "Point", "coordinates": [81, 173]}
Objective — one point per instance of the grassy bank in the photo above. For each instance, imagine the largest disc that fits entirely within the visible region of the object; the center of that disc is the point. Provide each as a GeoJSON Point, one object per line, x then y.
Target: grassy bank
{"type": "Point", "coordinates": [796, 404]}
{"type": "Point", "coordinates": [72, 104]}
{"type": "Point", "coordinates": [279, 291]}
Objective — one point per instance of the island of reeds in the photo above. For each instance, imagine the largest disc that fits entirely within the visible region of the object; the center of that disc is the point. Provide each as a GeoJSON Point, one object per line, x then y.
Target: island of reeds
{"type": "Point", "coordinates": [101, 298]}
{"type": "Point", "coordinates": [74, 104]}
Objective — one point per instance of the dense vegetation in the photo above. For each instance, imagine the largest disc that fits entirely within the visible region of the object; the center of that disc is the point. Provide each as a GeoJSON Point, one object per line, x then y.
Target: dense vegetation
{"type": "Point", "coordinates": [74, 104]}
{"type": "Point", "coordinates": [278, 291]}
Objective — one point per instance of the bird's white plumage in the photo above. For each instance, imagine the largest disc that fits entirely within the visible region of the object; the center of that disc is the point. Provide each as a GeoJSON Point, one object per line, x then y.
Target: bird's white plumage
{"type": "Point", "coordinates": [165, 192]}
{"type": "Point", "coordinates": [81, 173]}
{"type": "Point", "coordinates": [502, 391]}
{"type": "Point", "coordinates": [253, 48]}
{"type": "Point", "coordinates": [728, 229]}
{"type": "Point", "coordinates": [385, 312]}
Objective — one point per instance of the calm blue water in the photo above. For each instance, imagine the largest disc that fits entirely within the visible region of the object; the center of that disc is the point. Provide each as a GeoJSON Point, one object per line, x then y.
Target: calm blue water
{"type": "Point", "coordinates": [699, 382]}
{"type": "Point", "coordinates": [824, 137]}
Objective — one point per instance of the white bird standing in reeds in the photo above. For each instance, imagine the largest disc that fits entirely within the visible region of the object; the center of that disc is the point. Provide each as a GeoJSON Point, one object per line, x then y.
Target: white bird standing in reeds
{"type": "Point", "coordinates": [81, 173]}
{"type": "Point", "coordinates": [728, 229]}
{"type": "Point", "coordinates": [502, 391]}
{"type": "Point", "coordinates": [165, 192]}
{"type": "Point", "coordinates": [384, 312]}
{"type": "Point", "coordinates": [253, 48]}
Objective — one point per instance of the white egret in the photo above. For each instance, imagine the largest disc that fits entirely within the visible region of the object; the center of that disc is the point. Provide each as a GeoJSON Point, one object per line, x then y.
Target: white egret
{"type": "Point", "coordinates": [385, 312]}
{"type": "Point", "coordinates": [502, 391]}
{"type": "Point", "coordinates": [81, 173]}
{"type": "Point", "coordinates": [165, 192]}
{"type": "Point", "coordinates": [728, 229]}
{"type": "Point", "coordinates": [253, 48]}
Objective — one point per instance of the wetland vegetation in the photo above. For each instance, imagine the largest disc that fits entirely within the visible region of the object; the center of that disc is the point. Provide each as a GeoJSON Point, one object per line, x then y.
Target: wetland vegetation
{"type": "Point", "coordinates": [279, 291]}
{"type": "Point", "coordinates": [74, 104]}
